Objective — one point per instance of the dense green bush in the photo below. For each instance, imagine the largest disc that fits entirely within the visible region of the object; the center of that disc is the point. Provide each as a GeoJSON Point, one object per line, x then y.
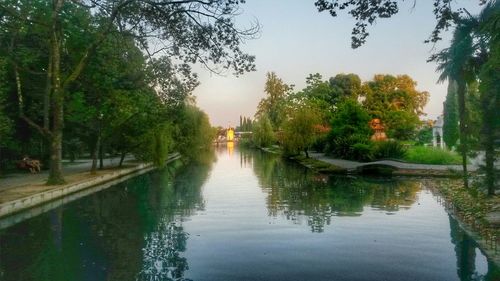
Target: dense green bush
{"type": "Point", "coordinates": [389, 149]}
{"type": "Point", "coordinates": [354, 147]}
{"type": "Point", "coordinates": [350, 134]}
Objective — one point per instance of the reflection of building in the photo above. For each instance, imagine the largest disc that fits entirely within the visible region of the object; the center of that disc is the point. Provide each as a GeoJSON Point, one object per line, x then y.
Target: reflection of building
{"type": "Point", "coordinates": [437, 132]}
{"type": "Point", "coordinates": [230, 134]}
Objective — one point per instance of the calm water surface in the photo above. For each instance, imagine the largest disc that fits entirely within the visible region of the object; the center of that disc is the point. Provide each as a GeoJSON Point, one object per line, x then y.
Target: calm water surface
{"type": "Point", "coordinates": [246, 215]}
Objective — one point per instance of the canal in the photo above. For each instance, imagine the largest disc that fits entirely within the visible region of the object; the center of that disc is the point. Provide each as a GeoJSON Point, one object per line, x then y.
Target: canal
{"type": "Point", "coordinates": [239, 214]}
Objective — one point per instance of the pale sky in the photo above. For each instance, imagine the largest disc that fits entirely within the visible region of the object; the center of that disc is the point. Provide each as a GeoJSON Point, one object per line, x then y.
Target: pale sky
{"type": "Point", "coordinates": [296, 40]}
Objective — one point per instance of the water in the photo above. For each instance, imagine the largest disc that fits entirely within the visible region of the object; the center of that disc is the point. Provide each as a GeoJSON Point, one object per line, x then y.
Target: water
{"type": "Point", "coordinates": [246, 215]}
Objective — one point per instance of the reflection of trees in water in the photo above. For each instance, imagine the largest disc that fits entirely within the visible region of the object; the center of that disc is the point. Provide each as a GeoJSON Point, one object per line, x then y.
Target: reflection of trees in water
{"type": "Point", "coordinates": [297, 193]}
{"type": "Point", "coordinates": [161, 254]}
{"type": "Point", "coordinates": [109, 235]}
{"type": "Point", "coordinates": [465, 250]}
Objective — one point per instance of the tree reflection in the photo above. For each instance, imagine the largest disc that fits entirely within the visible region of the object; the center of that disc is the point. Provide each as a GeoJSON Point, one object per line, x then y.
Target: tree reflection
{"type": "Point", "coordinates": [129, 232]}
{"type": "Point", "coordinates": [465, 250]}
{"type": "Point", "coordinates": [298, 194]}
{"type": "Point", "coordinates": [161, 254]}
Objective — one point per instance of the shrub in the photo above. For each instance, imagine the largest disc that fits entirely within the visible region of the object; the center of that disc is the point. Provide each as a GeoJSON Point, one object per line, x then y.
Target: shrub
{"type": "Point", "coordinates": [389, 149]}
{"type": "Point", "coordinates": [362, 151]}
{"type": "Point", "coordinates": [354, 147]}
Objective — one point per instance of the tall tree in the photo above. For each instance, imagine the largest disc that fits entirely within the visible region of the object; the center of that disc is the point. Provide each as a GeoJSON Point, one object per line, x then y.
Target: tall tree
{"type": "Point", "coordinates": [490, 95]}
{"type": "Point", "coordinates": [191, 31]}
{"type": "Point", "coordinates": [450, 112]}
{"type": "Point", "coordinates": [397, 102]}
{"type": "Point", "coordinates": [274, 104]}
{"type": "Point", "coordinates": [455, 63]}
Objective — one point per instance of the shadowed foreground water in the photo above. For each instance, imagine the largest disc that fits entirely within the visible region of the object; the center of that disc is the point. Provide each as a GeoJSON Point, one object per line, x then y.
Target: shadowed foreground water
{"type": "Point", "coordinates": [246, 215]}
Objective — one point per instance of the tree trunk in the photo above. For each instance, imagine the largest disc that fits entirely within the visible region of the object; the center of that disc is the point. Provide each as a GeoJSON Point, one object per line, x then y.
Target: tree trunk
{"type": "Point", "coordinates": [93, 169]}
{"type": "Point", "coordinates": [307, 153]}
{"type": "Point", "coordinates": [101, 161]}
{"type": "Point", "coordinates": [462, 113]}
{"type": "Point", "coordinates": [490, 162]}
{"type": "Point", "coordinates": [122, 158]}
{"type": "Point", "coordinates": [55, 173]}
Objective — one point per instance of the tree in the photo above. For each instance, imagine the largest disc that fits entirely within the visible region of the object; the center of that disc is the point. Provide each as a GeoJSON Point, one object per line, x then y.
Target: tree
{"type": "Point", "coordinates": [490, 95]}
{"type": "Point", "coordinates": [193, 31]}
{"type": "Point", "coordinates": [350, 134]}
{"type": "Point", "coordinates": [262, 132]}
{"type": "Point", "coordinates": [299, 131]}
{"type": "Point", "coordinates": [274, 104]}
{"type": "Point", "coordinates": [345, 86]}
{"type": "Point", "coordinates": [455, 64]}
{"type": "Point", "coordinates": [396, 101]}
{"type": "Point", "coordinates": [450, 112]}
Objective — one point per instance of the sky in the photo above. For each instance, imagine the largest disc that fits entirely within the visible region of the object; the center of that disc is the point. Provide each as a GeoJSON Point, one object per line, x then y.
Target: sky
{"type": "Point", "coordinates": [295, 41]}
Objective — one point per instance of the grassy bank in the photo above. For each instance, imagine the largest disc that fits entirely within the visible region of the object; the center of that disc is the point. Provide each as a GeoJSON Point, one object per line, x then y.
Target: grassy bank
{"type": "Point", "coordinates": [431, 155]}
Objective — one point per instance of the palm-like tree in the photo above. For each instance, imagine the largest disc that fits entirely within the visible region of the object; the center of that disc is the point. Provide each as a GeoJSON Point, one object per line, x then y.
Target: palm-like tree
{"type": "Point", "coordinates": [472, 42]}
{"type": "Point", "coordinates": [455, 64]}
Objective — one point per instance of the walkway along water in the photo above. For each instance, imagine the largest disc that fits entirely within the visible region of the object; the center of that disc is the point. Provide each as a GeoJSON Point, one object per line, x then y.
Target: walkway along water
{"type": "Point", "coordinates": [402, 168]}
{"type": "Point", "coordinates": [18, 198]}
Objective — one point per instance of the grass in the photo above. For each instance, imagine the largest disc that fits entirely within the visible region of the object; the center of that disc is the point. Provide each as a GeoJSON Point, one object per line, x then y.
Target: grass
{"type": "Point", "coordinates": [431, 155]}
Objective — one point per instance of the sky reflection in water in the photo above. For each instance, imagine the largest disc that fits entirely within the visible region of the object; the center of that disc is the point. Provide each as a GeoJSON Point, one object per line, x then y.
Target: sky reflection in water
{"type": "Point", "coordinates": [246, 215]}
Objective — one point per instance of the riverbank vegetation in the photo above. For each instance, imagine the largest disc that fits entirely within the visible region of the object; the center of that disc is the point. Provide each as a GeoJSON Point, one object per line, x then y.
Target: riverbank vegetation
{"type": "Point", "coordinates": [344, 116]}
{"type": "Point", "coordinates": [108, 77]}
{"type": "Point", "coordinates": [431, 155]}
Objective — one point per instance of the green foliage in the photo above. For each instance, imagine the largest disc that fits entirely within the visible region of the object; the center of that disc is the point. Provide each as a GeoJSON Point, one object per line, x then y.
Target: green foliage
{"type": "Point", "coordinates": [424, 135]}
{"type": "Point", "coordinates": [5, 121]}
{"type": "Point", "coordinates": [395, 100]}
{"type": "Point", "coordinates": [389, 149]}
{"type": "Point", "coordinates": [431, 155]}
{"type": "Point", "coordinates": [350, 119]}
{"type": "Point", "coordinates": [345, 86]}
{"type": "Point", "coordinates": [193, 131]}
{"type": "Point", "coordinates": [245, 124]}
{"type": "Point", "coordinates": [275, 103]}
{"type": "Point", "coordinates": [352, 147]}
{"type": "Point", "coordinates": [299, 130]}
{"type": "Point", "coordinates": [490, 105]}
{"type": "Point", "coordinates": [263, 134]}
{"type": "Point", "coordinates": [450, 126]}
{"type": "Point", "coordinates": [349, 137]}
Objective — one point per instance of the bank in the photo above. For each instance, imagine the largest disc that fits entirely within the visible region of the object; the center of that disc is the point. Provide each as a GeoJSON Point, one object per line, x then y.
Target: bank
{"type": "Point", "coordinates": [16, 199]}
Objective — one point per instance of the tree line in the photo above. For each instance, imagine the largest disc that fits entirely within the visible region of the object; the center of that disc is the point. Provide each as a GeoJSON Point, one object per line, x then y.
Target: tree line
{"type": "Point", "coordinates": [110, 76]}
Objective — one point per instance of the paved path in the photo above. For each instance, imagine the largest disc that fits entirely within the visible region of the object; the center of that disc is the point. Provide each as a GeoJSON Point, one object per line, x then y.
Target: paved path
{"type": "Point", "coordinates": [353, 165]}
{"type": "Point", "coordinates": [79, 166]}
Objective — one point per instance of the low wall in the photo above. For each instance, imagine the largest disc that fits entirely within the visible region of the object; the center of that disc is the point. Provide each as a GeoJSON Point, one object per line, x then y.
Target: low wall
{"type": "Point", "coordinates": [32, 200]}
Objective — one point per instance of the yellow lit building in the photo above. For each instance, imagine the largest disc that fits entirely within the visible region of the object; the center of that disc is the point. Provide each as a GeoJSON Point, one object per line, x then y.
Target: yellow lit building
{"type": "Point", "coordinates": [230, 134]}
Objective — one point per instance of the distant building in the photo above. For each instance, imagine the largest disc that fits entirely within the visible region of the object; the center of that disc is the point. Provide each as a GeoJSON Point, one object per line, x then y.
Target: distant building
{"type": "Point", "coordinates": [230, 134]}
{"type": "Point", "coordinates": [437, 133]}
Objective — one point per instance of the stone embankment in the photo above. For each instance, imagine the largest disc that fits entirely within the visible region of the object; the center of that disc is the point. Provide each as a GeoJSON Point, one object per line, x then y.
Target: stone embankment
{"type": "Point", "coordinates": [18, 198]}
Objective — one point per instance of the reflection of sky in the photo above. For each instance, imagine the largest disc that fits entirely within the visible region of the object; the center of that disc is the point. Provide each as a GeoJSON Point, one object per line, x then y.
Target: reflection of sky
{"type": "Point", "coordinates": [236, 238]}
{"type": "Point", "coordinates": [296, 40]}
